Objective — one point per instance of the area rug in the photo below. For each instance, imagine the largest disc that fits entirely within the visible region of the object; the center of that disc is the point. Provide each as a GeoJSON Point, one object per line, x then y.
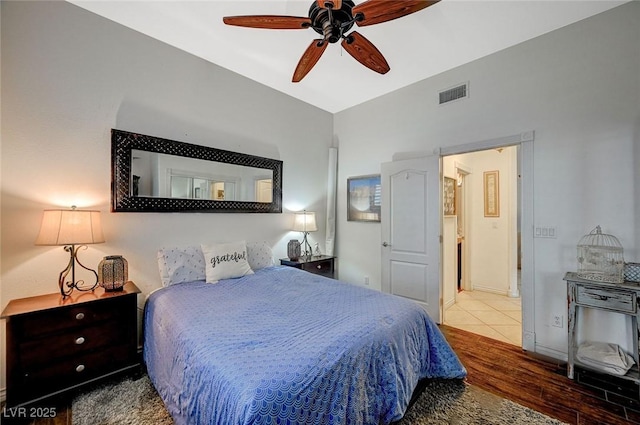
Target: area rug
{"type": "Point", "coordinates": [451, 402]}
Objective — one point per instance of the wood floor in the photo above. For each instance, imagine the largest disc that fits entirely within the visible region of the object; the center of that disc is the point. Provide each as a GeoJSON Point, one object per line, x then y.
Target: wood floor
{"type": "Point", "coordinates": [541, 384]}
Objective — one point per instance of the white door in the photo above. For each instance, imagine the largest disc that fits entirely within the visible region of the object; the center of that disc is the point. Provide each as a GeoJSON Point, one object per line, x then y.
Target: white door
{"type": "Point", "coordinates": [411, 231]}
{"type": "Point", "coordinates": [264, 190]}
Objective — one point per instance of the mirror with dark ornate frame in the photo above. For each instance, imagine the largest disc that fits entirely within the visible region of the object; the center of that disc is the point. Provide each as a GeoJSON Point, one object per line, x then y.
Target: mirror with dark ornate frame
{"type": "Point", "coordinates": [151, 174]}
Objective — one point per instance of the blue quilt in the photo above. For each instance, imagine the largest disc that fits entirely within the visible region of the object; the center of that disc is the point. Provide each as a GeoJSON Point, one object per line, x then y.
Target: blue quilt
{"type": "Point", "coordinates": [283, 346]}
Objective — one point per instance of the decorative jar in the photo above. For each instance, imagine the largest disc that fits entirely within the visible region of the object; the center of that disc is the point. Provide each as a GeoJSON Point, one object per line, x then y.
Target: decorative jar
{"type": "Point", "coordinates": [600, 257]}
{"type": "Point", "coordinates": [293, 250]}
{"type": "Point", "coordinates": [113, 272]}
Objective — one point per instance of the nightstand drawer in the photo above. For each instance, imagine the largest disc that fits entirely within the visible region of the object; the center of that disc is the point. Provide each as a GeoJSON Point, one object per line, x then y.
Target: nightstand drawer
{"type": "Point", "coordinates": [607, 299]}
{"type": "Point", "coordinates": [323, 265]}
{"type": "Point", "coordinates": [70, 344]}
{"type": "Point", "coordinates": [37, 381]}
{"type": "Point", "coordinates": [64, 318]}
{"type": "Point", "coordinates": [324, 268]}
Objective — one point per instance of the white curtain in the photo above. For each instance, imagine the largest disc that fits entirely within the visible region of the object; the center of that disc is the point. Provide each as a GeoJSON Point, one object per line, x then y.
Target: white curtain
{"type": "Point", "coordinates": [332, 182]}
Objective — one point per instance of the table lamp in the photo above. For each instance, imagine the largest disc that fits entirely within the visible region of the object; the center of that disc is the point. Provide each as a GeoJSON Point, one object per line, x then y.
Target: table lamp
{"type": "Point", "coordinates": [305, 222]}
{"type": "Point", "coordinates": [70, 228]}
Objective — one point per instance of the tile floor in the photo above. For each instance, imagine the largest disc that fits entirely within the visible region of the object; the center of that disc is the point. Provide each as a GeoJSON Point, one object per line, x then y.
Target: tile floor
{"type": "Point", "coordinates": [491, 315]}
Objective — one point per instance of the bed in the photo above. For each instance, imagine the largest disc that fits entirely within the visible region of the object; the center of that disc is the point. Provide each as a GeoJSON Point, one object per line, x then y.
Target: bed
{"type": "Point", "coordinates": [283, 346]}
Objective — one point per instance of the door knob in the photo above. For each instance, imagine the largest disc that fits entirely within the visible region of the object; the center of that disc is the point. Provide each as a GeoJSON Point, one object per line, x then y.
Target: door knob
{"type": "Point", "coordinates": [385, 244]}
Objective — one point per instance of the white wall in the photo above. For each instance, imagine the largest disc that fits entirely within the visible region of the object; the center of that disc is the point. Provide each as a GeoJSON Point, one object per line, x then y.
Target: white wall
{"type": "Point", "coordinates": [579, 89]}
{"type": "Point", "coordinates": [68, 77]}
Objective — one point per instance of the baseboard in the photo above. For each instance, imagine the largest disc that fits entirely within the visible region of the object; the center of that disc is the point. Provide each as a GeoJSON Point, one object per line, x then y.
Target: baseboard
{"type": "Point", "coordinates": [490, 290]}
{"type": "Point", "coordinates": [449, 303]}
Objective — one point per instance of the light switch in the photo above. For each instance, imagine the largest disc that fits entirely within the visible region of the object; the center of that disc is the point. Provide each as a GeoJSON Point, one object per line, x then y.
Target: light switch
{"type": "Point", "coordinates": [545, 232]}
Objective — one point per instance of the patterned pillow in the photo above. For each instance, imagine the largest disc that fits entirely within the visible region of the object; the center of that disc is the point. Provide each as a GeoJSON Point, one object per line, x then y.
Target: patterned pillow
{"type": "Point", "coordinates": [179, 265]}
{"type": "Point", "coordinates": [259, 255]}
{"type": "Point", "coordinates": [225, 261]}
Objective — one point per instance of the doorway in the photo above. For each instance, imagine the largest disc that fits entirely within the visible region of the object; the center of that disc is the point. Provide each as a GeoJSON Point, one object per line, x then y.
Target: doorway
{"type": "Point", "coordinates": [434, 205]}
{"type": "Point", "coordinates": [481, 228]}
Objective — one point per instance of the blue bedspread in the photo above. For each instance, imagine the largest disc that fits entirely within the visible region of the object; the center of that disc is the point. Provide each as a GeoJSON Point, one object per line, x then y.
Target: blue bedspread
{"type": "Point", "coordinates": [286, 346]}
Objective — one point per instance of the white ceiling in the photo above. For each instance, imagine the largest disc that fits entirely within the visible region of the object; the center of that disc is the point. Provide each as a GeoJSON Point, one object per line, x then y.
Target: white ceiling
{"type": "Point", "coordinates": [436, 39]}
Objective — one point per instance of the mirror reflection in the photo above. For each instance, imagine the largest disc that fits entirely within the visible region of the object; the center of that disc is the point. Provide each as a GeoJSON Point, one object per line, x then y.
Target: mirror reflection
{"type": "Point", "coordinates": [162, 175]}
{"type": "Point", "coordinates": [152, 174]}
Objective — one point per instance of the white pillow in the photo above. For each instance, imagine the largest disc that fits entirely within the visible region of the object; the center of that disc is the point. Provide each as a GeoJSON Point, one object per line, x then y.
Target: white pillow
{"type": "Point", "coordinates": [225, 261]}
{"type": "Point", "coordinates": [259, 255]}
{"type": "Point", "coordinates": [179, 265]}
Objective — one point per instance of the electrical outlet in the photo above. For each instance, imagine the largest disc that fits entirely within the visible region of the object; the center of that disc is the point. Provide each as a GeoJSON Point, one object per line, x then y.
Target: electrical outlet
{"type": "Point", "coordinates": [556, 321]}
{"type": "Point", "coordinates": [366, 280]}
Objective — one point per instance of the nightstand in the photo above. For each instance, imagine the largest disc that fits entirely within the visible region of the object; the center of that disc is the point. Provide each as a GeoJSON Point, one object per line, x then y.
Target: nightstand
{"type": "Point", "coordinates": [55, 344]}
{"type": "Point", "coordinates": [323, 265]}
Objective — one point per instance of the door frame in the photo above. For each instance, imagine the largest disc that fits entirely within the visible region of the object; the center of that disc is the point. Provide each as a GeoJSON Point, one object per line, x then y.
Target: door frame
{"type": "Point", "coordinates": [525, 141]}
{"type": "Point", "coordinates": [465, 283]}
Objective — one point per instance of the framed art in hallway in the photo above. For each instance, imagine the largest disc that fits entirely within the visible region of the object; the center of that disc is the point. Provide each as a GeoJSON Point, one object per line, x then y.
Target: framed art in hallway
{"type": "Point", "coordinates": [364, 198]}
{"type": "Point", "coordinates": [449, 196]}
{"type": "Point", "coordinates": [491, 194]}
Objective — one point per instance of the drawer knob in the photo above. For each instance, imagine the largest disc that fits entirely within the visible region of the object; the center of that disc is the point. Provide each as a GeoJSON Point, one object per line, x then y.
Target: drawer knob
{"type": "Point", "coordinates": [318, 266]}
{"type": "Point", "coordinates": [80, 368]}
{"type": "Point", "coordinates": [80, 340]}
{"type": "Point", "coordinates": [79, 316]}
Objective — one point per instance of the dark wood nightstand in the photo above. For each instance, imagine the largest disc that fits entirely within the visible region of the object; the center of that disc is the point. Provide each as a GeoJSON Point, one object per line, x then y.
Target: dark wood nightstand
{"type": "Point", "coordinates": [323, 265]}
{"type": "Point", "coordinates": [55, 344]}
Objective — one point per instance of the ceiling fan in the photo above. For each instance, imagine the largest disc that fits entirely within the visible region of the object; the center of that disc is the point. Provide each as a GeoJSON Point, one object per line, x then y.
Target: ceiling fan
{"type": "Point", "coordinates": [333, 19]}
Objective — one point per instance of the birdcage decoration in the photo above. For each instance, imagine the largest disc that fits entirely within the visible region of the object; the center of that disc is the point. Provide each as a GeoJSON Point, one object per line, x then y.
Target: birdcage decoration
{"type": "Point", "coordinates": [600, 257]}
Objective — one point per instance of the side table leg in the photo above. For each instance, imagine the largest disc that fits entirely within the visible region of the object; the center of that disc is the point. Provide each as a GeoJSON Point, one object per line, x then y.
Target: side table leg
{"type": "Point", "coordinates": [571, 337]}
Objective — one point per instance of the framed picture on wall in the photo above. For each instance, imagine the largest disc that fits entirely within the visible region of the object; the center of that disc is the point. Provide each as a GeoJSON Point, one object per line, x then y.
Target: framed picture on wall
{"type": "Point", "coordinates": [449, 196]}
{"type": "Point", "coordinates": [364, 198]}
{"type": "Point", "coordinates": [491, 194]}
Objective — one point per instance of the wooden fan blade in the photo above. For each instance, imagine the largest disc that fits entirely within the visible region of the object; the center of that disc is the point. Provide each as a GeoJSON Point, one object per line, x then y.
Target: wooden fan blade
{"type": "Point", "coordinates": [309, 59]}
{"type": "Point", "coordinates": [330, 4]}
{"type": "Point", "coordinates": [365, 52]}
{"type": "Point", "coordinates": [269, 22]}
{"type": "Point", "coordinates": [377, 11]}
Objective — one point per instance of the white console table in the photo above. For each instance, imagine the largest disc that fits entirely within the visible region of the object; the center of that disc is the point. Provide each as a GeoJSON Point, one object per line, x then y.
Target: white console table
{"type": "Point", "coordinates": [616, 297]}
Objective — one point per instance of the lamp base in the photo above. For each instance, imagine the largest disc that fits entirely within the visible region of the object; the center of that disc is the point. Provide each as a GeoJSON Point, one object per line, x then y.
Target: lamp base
{"type": "Point", "coordinates": [307, 253]}
{"type": "Point", "coordinates": [66, 288]}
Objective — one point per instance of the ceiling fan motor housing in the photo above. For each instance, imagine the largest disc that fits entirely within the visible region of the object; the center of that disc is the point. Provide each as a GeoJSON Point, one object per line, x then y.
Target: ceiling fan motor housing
{"type": "Point", "coordinates": [331, 23]}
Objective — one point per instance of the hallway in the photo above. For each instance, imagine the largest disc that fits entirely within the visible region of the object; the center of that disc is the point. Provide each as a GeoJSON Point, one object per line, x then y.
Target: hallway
{"type": "Point", "coordinates": [487, 314]}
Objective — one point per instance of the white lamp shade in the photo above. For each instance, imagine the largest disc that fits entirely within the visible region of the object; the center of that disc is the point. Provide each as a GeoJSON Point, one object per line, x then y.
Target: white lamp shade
{"type": "Point", "coordinates": [305, 222]}
{"type": "Point", "coordinates": [70, 227]}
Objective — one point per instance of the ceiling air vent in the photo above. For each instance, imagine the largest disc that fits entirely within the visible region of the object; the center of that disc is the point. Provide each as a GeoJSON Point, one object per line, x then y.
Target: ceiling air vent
{"type": "Point", "coordinates": [454, 93]}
